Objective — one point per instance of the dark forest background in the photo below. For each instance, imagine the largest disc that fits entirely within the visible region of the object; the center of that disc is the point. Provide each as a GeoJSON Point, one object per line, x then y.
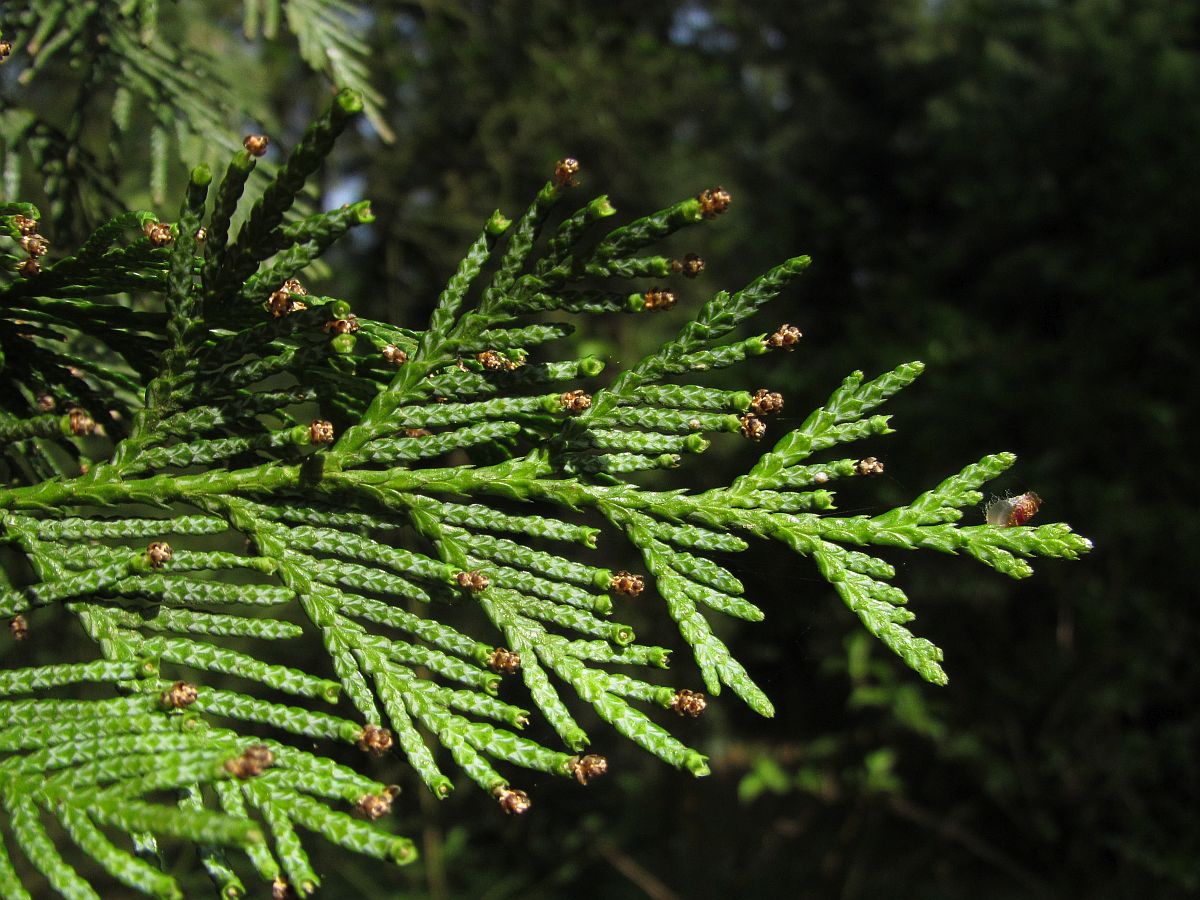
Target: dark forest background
{"type": "Point", "coordinates": [1005, 189]}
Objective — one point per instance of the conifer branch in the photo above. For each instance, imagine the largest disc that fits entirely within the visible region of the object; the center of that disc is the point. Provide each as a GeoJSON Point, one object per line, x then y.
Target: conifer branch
{"type": "Point", "coordinates": [294, 470]}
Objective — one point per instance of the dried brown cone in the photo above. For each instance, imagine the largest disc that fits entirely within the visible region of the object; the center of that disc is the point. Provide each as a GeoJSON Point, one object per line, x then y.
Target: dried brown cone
{"type": "Point", "coordinates": [472, 581]}
{"type": "Point", "coordinates": [375, 739]}
{"type": "Point", "coordinates": [765, 402]}
{"type": "Point", "coordinates": [713, 202]}
{"type": "Point", "coordinates": [374, 806]}
{"type": "Point", "coordinates": [394, 355]}
{"type": "Point", "coordinates": [658, 298]}
{"type": "Point", "coordinates": [46, 402]}
{"type": "Point", "coordinates": [512, 801]}
{"type": "Point", "coordinates": [320, 431]}
{"type": "Point", "coordinates": [504, 661]}
{"type": "Point", "coordinates": [256, 144]}
{"type": "Point", "coordinates": [690, 266]}
{"type": "Point", "coordinates": [752, 427]}
{"type": "Point", "coordinates": [627, 583]}
{"type": "Point", "coordinates": [159, 233]}
{"type": "Point", "coordinates": [575, 401]}
{"type": "Point", "coordinates": [34, 244]}
{"type": "Point", "coordinates": [18, 626]}
{"type": "Point", "coordinates": [253, 761]}
{"type": "Point", "coordinates": [27, 268]}
{"type": "Point", "coordinates": [80, 423]}
{"type": "Point", "coordinates": [585, 768]}
{"type": "Point", "coordinates": [869, 466]}
{"type": "Point", "coordinates": [688, 703]}
{"type": "Point", "coordinates": [565, 171]}
{"type": "Point", "coordinates": [179, 695]}
{"type": "Point", "coordinates": [293, 286]}
{"type": "Point", "coordinates": [785, 338]}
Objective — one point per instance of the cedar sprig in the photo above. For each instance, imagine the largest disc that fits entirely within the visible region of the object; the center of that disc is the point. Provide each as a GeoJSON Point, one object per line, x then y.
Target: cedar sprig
{"type": "Point", "coordinates": [296, 471]}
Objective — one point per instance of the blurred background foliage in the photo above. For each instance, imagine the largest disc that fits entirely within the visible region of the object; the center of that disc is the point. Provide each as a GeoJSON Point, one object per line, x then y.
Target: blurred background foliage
{"type": "Point", "coordinates": [1006, 189]}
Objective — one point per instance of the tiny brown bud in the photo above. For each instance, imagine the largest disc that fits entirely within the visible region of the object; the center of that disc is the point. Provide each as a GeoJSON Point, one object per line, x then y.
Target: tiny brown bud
{"type": "Point", "coordinates": [785, 338]}
{"type": "Point", "coordinates": [690, 266]}
{"type": "Point", "coordinates": [5, 50]}
{"type": "Point", "coordinates": [417, 432]}
{"type": "Point", "coordinates": [688, 703]}
{"type": "Point", "coordinates": [394, 355]}
{"type": "Point", "coordinates": [80, 423]}
{"type": "Point", "coordinates": [25, 225]}
{"type": "Point", "coordinates": [253, 760]}
{"type": "Point", "coordinates": [752, 427]}
{"type": "Point", "coordinates": [713, 202]}
{"type": "Point", "coordinates": [565, 171]}
{"type": "Point", "coordinates": [575, 401]}
{"type": "Point", "coordinates": [320, 431]}
{"type": "Point", "coordinates": [375, 740]}
{"type": "Point", "coordinates": [159, 553]}
{"type": "Point", "coordinates": [46, 402]}
{"type": "Point", "coordinates": [179, 695]}
{"type": "Point", "coordinates": [627, 583]}
{"type": "Point", "coordinates": [374, 806]}
{"type": "Point", "coordinates": [18, 626]}
{"type": "Point", "coordinates": [34, 244]}
{"type": "Point", "coordinates": [27, 268]}
{"type": "Point", "coordinates": [472, 581]}
{"type": "Point", "coordinates": [869, 466]}
{"type": "Point", "coordinates": [658, 298]}
{"type": "Point", "coordinates": [512, 801]}
{"type": "Point", "coordinates": [201, 234]}
{"type": "Point", "coordinates": [293, 286]}
{"type": "Point", "coordinates": [348, 325]}
{"type": "Point", "coordinates": [504, 661]}
{"type": "Point", "coordinates": [159, 233]}
{"type": "Point", "coordinates": [281, 890]}
{"type": "Point", "coordinates": [766, 402]}
{"type": "Point", "coordinates": [256, 144]}
{"type": "Point", "coordinates": [587, 767]}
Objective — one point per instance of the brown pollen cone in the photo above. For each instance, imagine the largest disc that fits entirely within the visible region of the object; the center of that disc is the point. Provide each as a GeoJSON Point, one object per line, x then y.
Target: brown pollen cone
{"type": "Point", "coordinates": [375, 740]}
{"type": "Point", "coordinates": [512, 801]}
{"type": "Point", "coordinates": [765, 402]}
{"type": "Point", "coordinates": [585, 768]}
{"type": "Point", "coordinates": [253, 761]}
{"type": "Point", "coordinates": [627, 583]}
{"type": "Point", "coordinates": [159, 553]}
{"type": "Point", "coordinates": [565, 171]}
{"type": "Point", "coordinates": [869, 466]}
{"type": "Point", "coordinates": [785, 337]}
{"type": "Point", "coordinates": [473, 581]}
{"type": "Point", "coordinates": [714, 201]}
{"type": "Point", "coordinates": [179, 695]}
{"type": "Point", "coordinates": [504, 661]}
{"type": "Point", "coordinates": [320, 431]}
{"type": "Point", "coordinates": [688, 703]}
{"type": "Point", "coordinates": [575, 401]}
{"type": "Point", "coordinates": [256, 144]}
